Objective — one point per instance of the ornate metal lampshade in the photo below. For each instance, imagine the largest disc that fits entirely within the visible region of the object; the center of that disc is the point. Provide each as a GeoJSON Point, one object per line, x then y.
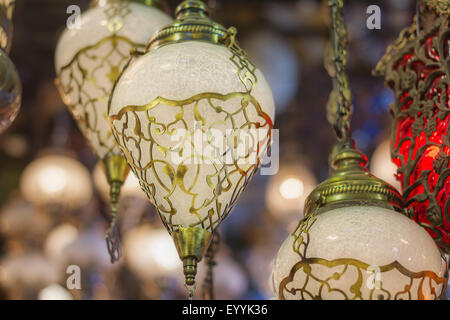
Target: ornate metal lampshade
{"type": "Point", "coordinates": [416, 67]}
{"type": "Point", "coordinates": [181, 113]}
{"type": "Point", "coordinates": [88, 61]}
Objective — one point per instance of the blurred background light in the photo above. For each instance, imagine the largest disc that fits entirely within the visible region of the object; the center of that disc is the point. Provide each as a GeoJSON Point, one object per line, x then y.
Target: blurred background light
{"type": "Point", "coordinates": [56, 179]}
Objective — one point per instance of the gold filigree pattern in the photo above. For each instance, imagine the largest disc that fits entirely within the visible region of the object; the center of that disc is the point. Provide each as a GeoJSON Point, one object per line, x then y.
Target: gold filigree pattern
{"type": "Point", "coordinates": [85, 84]}
{"type": "Point", "coordinates": [224, 179]}
{"type": "Point", "coordinates": [172, 178]}
{"type": "Point", "coordinates": [418, 72]}
{"type": "Point", "coordinates": [313, 278]}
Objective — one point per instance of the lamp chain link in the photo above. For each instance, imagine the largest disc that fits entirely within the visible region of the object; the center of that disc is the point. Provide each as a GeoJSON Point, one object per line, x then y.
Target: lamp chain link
{"type": "Point", "coordinates": [208, 284]}
{"type": "Point", "coordinates": [339, 107]}
{"type": "Point", "coordinates": [112, 235]}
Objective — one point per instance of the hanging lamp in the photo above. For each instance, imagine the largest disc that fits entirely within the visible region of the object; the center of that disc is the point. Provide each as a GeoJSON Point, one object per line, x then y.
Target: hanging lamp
{"type": "Point", "coordinates": [181, 113]}
{"type": "Point", "coordinates": [354, 242]}
{"type": "Point", "coordinates": [416, 67]}
{"type": "Point", "coordinates": [88, 61]}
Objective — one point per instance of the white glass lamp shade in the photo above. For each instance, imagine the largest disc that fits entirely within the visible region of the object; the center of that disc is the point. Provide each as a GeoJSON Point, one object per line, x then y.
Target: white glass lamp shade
{"type": "Point", "coordinates": [358, 252]}
{"type": "Point", "coordinates": [382, 166]}
{"type": "Point", "coordinates": [287, 191]}
{"type": "Point", "coordinates": [89, 58]}
{"type": "Point", "coordinates": [130, 188]}
{"type": "Point", "coordinates": [176, 112]}
{"type": "Point", "coordinates": [56, 180]}
{"type": "Point", "coordinates": [150, 252]}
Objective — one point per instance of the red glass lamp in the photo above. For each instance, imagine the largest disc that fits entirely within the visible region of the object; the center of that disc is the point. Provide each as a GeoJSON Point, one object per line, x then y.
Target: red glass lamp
{"type": "Point", "coordinates": [417, 68]}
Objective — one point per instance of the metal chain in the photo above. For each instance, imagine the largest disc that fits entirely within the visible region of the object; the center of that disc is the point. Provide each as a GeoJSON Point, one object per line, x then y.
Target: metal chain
{"type": "Point", "coordinates": [112, 235]}
{"type": "Point", "coordinates": [339, 107]}
{"type": "Point", "coordinates": [208, 284]}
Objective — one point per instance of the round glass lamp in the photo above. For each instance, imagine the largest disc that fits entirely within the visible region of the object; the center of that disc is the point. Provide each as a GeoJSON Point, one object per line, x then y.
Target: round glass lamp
{"type": "Point", "coordinates": [193, 116]}
{"type": "Point", "coordinates": [56, 180]}
{"type": "Point", "coordinates": [354, 243]}
{"type": "Point", "coordinates": [88, 60]}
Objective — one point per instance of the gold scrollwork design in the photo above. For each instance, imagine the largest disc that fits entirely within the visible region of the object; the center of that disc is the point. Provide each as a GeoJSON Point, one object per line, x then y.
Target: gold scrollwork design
{"type": "Point", "coordinates": [418, 72]}
{"type": "Point", "coordinates": [85, 84]}
{"type": "Point", "coordinates": [317, 276]}
{"type": "Point", "coordinates": [219, 181]}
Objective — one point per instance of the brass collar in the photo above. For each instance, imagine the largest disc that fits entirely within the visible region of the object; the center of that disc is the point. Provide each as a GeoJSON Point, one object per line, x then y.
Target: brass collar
{"type": "Point", "coordinates": [352, 183]}
{"type": "Point", "coordinates": [192, 23]}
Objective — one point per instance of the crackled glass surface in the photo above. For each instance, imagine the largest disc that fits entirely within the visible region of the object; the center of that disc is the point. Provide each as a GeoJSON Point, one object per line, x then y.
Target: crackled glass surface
{"type": "Point", "coordinates": [358, 252]}
{"type": "Point", "coordinates": [90, 58]}
{"type": "Point", "coordinates": [181, 114]}
{"type": "Point", "coordinates": [10, 92]}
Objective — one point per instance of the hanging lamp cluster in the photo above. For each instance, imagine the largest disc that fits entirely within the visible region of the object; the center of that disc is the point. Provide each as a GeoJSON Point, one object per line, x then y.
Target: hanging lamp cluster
{"type": "Point", "coordinates": [355, 242]}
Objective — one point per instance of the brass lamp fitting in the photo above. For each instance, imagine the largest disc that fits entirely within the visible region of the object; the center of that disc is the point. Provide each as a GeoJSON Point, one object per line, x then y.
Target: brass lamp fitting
{"type": "Point", "coordinates": [191, 244]}
{"type": "Point", "coordinates": [352, 182]}
{"type": "Point", "coordinates": [192, 23]}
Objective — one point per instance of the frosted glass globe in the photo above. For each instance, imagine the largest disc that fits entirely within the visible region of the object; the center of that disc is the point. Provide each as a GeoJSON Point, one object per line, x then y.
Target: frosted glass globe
{"type": "Point", "coordinates": [89, 59]}
{"type": "Point", "coordinates": [176, 112]}
{"type": "Point", "coordinates": [56, 180]}
{"type": "Point", "coordinates": [359, 252]}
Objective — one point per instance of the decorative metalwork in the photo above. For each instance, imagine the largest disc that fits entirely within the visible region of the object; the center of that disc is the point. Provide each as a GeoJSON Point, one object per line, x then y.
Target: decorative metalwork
{"type": "Point", "coordinates": [192, 23]}
{"type": "Point", "coordinates": [418, 72]}
{"type": "Point", "coordinates": [85, 84]}
{"type": "Point", "coordinates": [220, 181]}
{"type": "Point", "coordinates": [210, 256]}
{"type": "Point", "coordinates": [314, 285]}
{"type": "Point", "coordinates": [440, 6]}
{"type": "Point", "coordinates": [87, 70]}
{"type": "Point", "coordinates": [340, 102]}
{"type": "Point", "coordinates": [351, 181]}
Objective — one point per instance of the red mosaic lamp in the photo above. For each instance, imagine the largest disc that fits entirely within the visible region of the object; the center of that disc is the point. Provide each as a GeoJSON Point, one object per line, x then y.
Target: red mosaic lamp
{"type": "Point", "coordinates": [417, 68]}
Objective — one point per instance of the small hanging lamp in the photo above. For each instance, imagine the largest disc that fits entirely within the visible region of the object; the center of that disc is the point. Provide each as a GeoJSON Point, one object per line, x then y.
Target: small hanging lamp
{"type": "Point", "coordinates": [354, 242]}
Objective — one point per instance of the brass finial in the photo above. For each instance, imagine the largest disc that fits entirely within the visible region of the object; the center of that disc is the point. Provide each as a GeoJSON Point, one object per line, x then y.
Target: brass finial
{"type": "Point", "coordinates": [116, 170]}
{"type": "Point", "coordinates": [192, 23]}
{"type": "Point", "coordinates": [191, 244]}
